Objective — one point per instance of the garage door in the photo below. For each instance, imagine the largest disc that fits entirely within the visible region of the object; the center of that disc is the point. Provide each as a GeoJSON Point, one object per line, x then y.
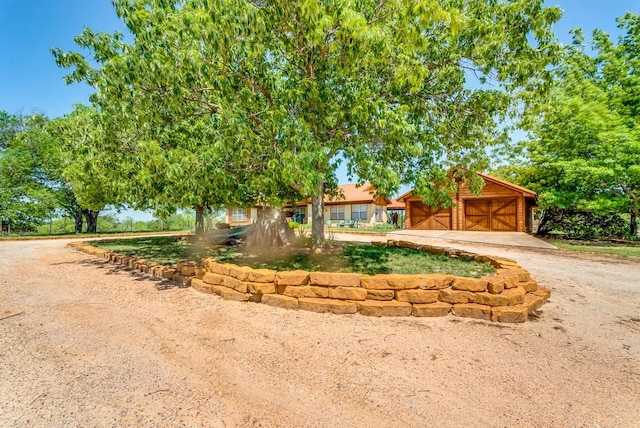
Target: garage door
{"type": "Point", "coordinates": [426, 218]}
{"type": "Point", "coordinates": [490, 214]}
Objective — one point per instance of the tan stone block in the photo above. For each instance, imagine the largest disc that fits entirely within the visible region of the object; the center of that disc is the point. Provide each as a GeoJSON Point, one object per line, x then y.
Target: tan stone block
{"type": "Point", "coordinates": [507, 263]}
{"type": "Point", "coordinates": [228, 294]}
{"type": "Point", "coordinates": [261, 275]}
{"type": "Point", "coordinates": [166, 273]}
{"type": "Point", "coordinates": [407, 282]}
{"type": "Point", "coordinates": [335, 279]}
{"type": "Point", "coordinates": [543, 292]}
{"type": "Point", "coordinates": [279, 301]}
{"type": "Point", "coordinates": [182, 280]}
{"type": "Point", "coordinates": [529, 285]}
{"type": "Point", "coordinates": [513, 314]}
{"type": "Point", "coordinates": [218, 268]}
{"type": "Point", "coordinates": [347, 293]}
{"type": "Point", "coordinates": [201, 286]}
{"type": "Point", "coordinates": [241, 273]}
{"type": "Point", "coordinates": [380, 294]}
{"type": "Point", "coordinates": [236, 284]}
{"type": "Point", "coordinates": [375, 282]}
{"type": "Point", "coordinates": [437, 281]}
{"type": "Point", "coordinates": [454, 296]}
{"type": "Point", "coordinates": [510, 277]}
{"type": "Point", "coordinates": [217, 289]}
{"type": "Point", "coordinates": [303, 291]}
{"type": "Point", "coordinates": [515, 295]}
{"type": "Point", "coordinates": [417, 296]}
{"type": "Point", "coordinates": [261, 287]}
{"type": "Point", "coordinates": [469, 284]}
{"type": "Point", "coordinates": [408, 244]}
{"type": "Point", "coordinates": [200, 272]}
{"type": "Point", "coordinates": [490, 299]}
{"type": "Point", "coordinates": [533, 302]}
{"type": "Point", "coordinates": [483, 259]}
{"type": "Point", "coordinates": [294, 277]}
{"type": "Point", "coordinates": [433, 250]}
{"type": "Point", "coordinates": [438, 309]}
{"type": "Point", "coordinates": [213, 278]}
{"type": "Point", "coordinates": [384, 308]}
{"type": "Point", "coordinates": [524, 276]}
{"type": "Point", "coordinates": [326, 305]}
{"type": "Point", "coordinates": [472, 310]}
{"type": "Point", "coordinates": [495, 284]}
{"type": "Point", "coordinates": [187, 268]}
{"type": "Point", "coordinates": [156, 271]}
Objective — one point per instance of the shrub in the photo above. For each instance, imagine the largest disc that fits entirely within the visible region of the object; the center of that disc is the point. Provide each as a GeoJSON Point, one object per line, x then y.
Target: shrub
{"type": "Point", "coordinates": [583, 225]}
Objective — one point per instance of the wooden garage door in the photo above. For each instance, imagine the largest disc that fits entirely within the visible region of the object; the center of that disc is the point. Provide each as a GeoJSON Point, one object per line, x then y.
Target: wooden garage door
{"type": "Point", "coordinates": [491, 214]}
{"type": "Point", "coordinates": [426, 218]}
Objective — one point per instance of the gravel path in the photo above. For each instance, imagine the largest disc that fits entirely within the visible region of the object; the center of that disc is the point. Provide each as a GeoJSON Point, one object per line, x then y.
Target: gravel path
{"type": "Point", "coordinates": [93, 345]}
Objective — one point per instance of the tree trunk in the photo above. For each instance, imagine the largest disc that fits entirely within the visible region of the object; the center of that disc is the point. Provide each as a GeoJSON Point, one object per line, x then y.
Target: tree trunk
{"type": "Point", "coordinates": [92, 220]}
{"type": "Point", "coordinates": [78, 221]}
{"type": "Point", "coordinates": [546, 221]}
{"type": "Point", "coordinates": [317, 217]}
{"type": "Point", "coordinates": [633, 230]}
{"type": "Point", "coordinates": [199, 220]}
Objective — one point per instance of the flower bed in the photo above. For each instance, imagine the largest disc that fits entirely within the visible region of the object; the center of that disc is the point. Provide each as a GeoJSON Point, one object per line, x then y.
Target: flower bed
{"type": "Point", "coordinates": [509, 295]}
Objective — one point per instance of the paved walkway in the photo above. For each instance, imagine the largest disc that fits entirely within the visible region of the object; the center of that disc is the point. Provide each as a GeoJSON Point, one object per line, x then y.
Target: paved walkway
{"type": "Point", "coordinates": [513, 239]}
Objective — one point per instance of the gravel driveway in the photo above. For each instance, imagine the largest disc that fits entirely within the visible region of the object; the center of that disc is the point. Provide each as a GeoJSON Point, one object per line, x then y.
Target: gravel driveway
{"type": "Point", "coordinates": [94, 345]}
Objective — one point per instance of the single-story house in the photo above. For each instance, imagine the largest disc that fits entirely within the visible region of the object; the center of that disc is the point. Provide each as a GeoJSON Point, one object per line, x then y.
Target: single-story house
{"type": "Point", "coordinates": [356, 202]}
{"type": "Point", "coordinates": [501, 206]}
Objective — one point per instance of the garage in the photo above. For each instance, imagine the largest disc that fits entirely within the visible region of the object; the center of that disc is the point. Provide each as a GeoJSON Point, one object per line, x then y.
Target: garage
{"type": "Point", "coordinates": [491, 214]}
{"type": "Point", "coordinates": [500, 207]}
{"type": "Point", "coordinates": [424, 217]}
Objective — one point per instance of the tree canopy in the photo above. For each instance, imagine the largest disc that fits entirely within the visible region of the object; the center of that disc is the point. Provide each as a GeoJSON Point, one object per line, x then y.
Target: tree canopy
{"type": "Point", "coordinates": [49, 167]}
{"type": "Point", "coordinates": [585, 150]}
{"type": "Point", "coordinates": [241, 102]}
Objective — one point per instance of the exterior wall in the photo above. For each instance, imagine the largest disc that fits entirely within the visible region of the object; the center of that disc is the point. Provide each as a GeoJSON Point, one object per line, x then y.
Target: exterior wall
{"type": "Point", "coordinates": [348, 213]}
{"type": "Point", "coordinates": [252, 215]}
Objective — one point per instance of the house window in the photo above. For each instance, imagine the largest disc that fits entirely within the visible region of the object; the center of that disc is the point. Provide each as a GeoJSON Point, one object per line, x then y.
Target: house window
{"type": "Point", "coordinates": [359, 212]}
{"type": "Point", "coordinates": [378, 213]}
{"type": "Point", "coordinates": [239, 215]}
{"type": "Point", "coordinates": [337, 212]}
{"type": "Point", "coordinates": [300, 214]}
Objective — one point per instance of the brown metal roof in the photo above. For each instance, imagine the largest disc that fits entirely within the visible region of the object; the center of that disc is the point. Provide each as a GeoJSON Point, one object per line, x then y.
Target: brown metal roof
{"type": "Point", "coordinates": [525, 192]}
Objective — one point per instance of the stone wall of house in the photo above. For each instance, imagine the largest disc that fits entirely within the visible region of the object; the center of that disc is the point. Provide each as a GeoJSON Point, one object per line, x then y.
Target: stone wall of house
{"type": "Point", "coordinates": [509, 295]}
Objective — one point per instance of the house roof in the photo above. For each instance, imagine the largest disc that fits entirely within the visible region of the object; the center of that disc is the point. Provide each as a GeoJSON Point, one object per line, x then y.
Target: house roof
{"type": "Point", "coordinates": [352, 193]}
{"type": "Point", "coordinates": [525, 192]}
{"type": "Point", "coordinates": [488, 178]}
{"type": "Point", "coordinates": [395, 204]}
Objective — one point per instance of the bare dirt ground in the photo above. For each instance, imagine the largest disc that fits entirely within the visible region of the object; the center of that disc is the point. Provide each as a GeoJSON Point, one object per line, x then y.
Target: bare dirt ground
{"type": "Point", "coordinates": [93, 345]}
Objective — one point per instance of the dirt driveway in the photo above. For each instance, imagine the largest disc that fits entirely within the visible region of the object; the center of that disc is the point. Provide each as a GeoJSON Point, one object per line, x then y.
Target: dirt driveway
{"type": "Point", "coordinates": [97, 346]}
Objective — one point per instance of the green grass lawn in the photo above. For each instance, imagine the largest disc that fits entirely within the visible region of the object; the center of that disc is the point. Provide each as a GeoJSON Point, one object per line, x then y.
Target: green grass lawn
{"type": "Point", "coordinates": [600, 248]}
{"type": "Point", "coordinates": [345, 257]}
{"type": "Point", "coordinates": [71, 235]}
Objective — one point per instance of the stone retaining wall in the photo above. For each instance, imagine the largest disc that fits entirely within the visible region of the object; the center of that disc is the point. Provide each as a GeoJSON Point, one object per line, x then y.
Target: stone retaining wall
{"type": "Point", "coordinates": [509, 295]}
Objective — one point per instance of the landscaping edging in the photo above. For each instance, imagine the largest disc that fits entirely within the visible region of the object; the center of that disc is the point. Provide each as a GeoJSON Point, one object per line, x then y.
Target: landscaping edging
{"type": "Point", "coordinates": [509, 295]}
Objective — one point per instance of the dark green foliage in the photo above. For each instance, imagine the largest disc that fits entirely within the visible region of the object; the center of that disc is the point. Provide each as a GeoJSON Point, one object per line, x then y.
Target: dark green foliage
{"type": "Point", "coordinates": [587, 225]}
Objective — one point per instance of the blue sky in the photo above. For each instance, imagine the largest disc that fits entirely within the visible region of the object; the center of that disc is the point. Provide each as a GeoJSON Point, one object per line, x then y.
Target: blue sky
{"type": "Point", "coordinates": [31, 82]}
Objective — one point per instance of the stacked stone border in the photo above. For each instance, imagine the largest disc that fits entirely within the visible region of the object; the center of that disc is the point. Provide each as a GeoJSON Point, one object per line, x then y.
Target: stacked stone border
{"type": "Point", "coordinates": [508, 295]}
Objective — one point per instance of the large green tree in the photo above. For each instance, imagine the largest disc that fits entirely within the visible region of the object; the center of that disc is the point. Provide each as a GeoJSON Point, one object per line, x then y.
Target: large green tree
{"type": "Point", "coordinates": [28, 194]}
{"type": "Point", "coordinates": [278, 93]}
{"type": "Point", "coordinates": [585, 150]}
{"type": "Point", "coordinates": [50, 167]}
